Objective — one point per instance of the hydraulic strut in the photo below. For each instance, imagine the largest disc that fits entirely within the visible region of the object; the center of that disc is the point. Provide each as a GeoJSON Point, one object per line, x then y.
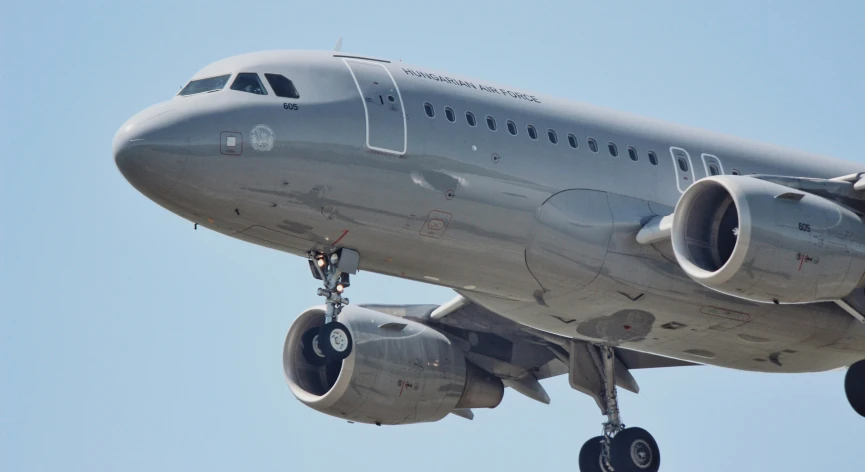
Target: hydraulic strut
{"type": "Point", "coordinates": [327, 269]}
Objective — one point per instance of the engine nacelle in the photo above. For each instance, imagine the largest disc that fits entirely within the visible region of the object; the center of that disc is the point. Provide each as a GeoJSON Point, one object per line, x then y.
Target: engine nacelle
{"type": "Point", "coordinates": [765, 242]}
{"type": "Point", "coordinates": [399, 371]}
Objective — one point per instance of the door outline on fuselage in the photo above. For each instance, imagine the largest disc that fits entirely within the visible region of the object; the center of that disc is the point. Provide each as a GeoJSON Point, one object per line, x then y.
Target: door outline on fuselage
{"type": "Point", "coordinates": [679, 173]}
{"type": "Point", "coordinates": [366, 110]}
{"type": "Point", "coordinates": [709, 158]}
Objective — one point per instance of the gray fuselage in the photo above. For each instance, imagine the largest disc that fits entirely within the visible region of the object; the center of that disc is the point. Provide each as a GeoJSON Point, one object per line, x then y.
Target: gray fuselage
{"type": "Point", "coordinates": [540, 232]}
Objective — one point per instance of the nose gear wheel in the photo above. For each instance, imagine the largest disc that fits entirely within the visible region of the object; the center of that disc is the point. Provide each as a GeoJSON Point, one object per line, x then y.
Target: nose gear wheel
{"type": "Point", "coordinates": [309, 347]}
{"type": "Point", "coordinates": [334, 341]}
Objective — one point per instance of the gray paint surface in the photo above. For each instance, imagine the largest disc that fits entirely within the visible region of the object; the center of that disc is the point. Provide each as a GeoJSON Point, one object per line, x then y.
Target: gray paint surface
{"type": "Point", "coordinates": [572, 231]}
{"type": "Point", "coordinates": [463, 206]}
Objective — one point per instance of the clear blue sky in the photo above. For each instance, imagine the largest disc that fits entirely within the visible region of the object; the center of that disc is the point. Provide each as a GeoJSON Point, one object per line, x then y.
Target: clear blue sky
{"type": "Point", "coordinates": [130, 342]}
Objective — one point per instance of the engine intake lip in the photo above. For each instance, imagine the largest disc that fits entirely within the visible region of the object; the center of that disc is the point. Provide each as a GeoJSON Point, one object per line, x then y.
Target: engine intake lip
{"type": "Point", "coordinates": [298, 372]}
{"type": "Point", "coordinates": [697, 211]}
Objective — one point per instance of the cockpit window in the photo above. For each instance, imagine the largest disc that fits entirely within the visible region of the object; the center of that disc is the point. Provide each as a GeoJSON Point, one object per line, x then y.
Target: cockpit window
{"type": "Point", "coordinates": [210, 84]}
{"type": "Point", "coordinates": [281, 86]}
{"type": "Point", "coordinates": [248, 82]}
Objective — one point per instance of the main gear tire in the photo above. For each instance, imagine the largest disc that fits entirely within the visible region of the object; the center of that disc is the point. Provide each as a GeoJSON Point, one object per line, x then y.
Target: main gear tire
{"type": "Point", "coordinates": [590, 456]}
{"type": "Point", "coordinates": [854, 387]}
{"type": "Point", "coordinates": [635, 450]}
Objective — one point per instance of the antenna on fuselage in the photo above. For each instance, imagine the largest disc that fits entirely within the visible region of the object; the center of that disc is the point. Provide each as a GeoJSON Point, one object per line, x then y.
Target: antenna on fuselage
{"type": "Point", "coordinates": [338, 46]}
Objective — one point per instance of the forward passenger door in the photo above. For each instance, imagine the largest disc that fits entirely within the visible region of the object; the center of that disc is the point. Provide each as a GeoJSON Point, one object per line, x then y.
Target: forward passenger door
{"type": "Point", "coordinates": [382, 104]}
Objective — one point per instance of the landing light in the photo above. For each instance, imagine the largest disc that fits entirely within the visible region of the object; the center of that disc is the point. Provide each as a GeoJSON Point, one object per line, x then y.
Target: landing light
{"type": "Point", "coordinates": [334, 258]}
{"type": "Point", "coordinates": [320, 262]}
{"type": "Point", "coordinates": [339, 288]}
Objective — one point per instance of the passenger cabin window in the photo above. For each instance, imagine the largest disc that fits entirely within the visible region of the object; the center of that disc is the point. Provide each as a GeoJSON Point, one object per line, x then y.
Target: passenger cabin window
{"type": "Point", "coordinates": [449, 114]}
{"type": "Point", "coordinates": [281, 86]}
{"type": "Point", "coordinates": [683, 164]}
{"type": "Point", "coordinates": [491, 123]}
{"type": "Point", "coordinates": [713, 169]}
{"type": "Point", "coordinates": [552, 135]}
{"type": "Point", "coordinates": [512, 128]}
{"type": "Point", "coordinates": [593, 145]}
{"type": "Point", "coordinates": [470, 119]}
{"type": "Point", "coordinates": [248, 82]}
{"type": "Point", "coordinates": [653, 158]}
{"type": "Point", "coordinates": [572, 140]}
{"type": "Point", "coordinates": [614, 151]}
{"type": "Point", "coordinates": [632, 153]}
{"type": "Point", "coordinates": [532, 132]}
{"type": "Point", "coordinates": [210, 84]}
{"type": "Point", "coordinates": [430, 112]}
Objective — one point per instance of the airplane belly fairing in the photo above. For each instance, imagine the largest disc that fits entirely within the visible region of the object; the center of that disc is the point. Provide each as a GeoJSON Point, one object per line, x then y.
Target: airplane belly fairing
{"type": "Point", "coordinates": [571, 232]}
{"type": "Point", "coordinates": [813, 338]}
{"type": "Point", "coordinates": [601, 285]}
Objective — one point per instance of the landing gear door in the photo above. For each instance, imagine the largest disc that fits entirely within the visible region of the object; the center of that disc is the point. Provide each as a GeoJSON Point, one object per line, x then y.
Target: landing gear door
{"type": "Point", "coordinates": [383, 107]}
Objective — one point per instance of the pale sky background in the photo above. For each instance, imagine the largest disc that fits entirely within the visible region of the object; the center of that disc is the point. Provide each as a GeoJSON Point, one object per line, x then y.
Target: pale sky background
{"type": "Point", "coordinates": [130, 342]}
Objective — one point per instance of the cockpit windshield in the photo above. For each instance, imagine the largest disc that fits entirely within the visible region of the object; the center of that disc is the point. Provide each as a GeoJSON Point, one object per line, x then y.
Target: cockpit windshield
{"type": "Point", "coordinates": [281, 86]}
{"type": "Point", "coordinates": [210, 84]}
{"type": "Point", "coordinates": [248, 82]}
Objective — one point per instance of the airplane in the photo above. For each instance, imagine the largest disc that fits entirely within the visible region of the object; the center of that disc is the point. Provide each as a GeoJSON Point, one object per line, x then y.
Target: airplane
{"type": "Point", "coordinates": [580, 241]}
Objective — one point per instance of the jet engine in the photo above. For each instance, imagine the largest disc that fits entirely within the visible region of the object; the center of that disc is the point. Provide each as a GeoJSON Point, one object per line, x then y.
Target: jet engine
{"type": "Point", "coordinates": [765, 242]}
{"type": "Point", "coordinates": [399, 371]}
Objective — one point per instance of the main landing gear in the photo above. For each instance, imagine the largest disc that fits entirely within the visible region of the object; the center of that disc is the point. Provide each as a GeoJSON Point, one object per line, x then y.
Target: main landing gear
{"type": "Point", "coordinates": [332, 342]}
{"type": "Point", "coordinates": [619, 449]}
{"type": "Point", "coordinates": [854, 386]}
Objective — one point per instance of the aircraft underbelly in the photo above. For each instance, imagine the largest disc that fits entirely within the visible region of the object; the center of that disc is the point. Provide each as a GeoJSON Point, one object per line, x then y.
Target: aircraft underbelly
{"type": "Point", "coordinates": [781, 342]}
{"type": "Point", "coordinates": [600, 285]}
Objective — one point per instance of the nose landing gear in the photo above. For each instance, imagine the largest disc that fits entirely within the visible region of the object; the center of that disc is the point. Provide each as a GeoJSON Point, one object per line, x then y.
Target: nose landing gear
{"type": "Point", "coordinates": [619, 449]}
{"type": "Point", "coordinates": [333, 342]}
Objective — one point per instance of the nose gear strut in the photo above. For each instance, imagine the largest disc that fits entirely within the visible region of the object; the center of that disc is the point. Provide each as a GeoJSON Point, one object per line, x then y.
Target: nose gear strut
{"type": "Point", "coordinates": [333, 341]}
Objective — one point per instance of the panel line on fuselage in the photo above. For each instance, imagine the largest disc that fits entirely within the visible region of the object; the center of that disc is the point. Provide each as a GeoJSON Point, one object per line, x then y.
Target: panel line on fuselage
{"type": "Point", "coordinates": [679, 172]}
{"type": "Point", "coordinates": [708, 159]}
{"type": "Point", "coordinates": [366, 109]}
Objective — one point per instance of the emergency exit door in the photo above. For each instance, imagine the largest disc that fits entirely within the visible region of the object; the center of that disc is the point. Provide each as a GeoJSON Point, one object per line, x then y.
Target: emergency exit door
{"type": "Point", "coordinates": [382, 104]}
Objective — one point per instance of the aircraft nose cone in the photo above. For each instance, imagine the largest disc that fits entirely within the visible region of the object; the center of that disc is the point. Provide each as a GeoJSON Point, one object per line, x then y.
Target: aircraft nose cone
{"type": "Point", "coordinates": [151, 148]}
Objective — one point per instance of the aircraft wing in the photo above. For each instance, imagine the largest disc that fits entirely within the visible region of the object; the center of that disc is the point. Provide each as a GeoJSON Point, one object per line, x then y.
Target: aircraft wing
{"type": "Point", "coordinates": [517, 354]}
{"type": "Point", "coordinates": [848, 190]}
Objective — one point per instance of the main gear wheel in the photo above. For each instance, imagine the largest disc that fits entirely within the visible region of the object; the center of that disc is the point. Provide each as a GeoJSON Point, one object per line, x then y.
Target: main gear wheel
{"type": "Point", "coordinates": [619, 449]}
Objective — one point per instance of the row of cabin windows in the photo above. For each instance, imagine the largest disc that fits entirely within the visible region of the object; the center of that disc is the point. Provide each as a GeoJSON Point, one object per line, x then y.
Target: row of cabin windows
{"type": "Point", "coordinates": [551, 134]}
